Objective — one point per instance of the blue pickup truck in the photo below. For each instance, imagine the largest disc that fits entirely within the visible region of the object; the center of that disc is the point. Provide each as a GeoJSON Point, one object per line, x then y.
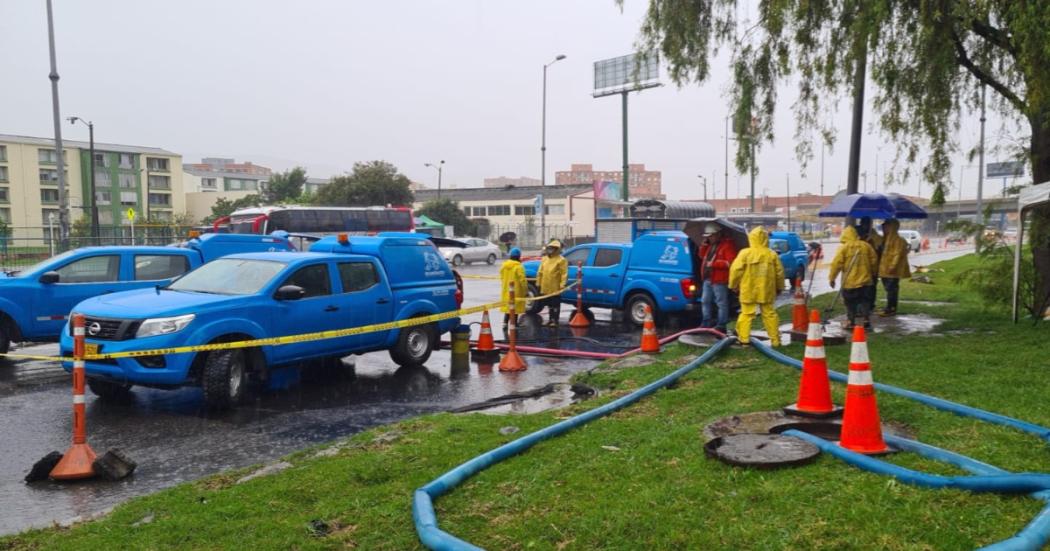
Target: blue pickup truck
{"type": "Point", "coordinates": [656, 271]}
{"type": "Point", "coordinates": [341, 283]}
{"type": "Point", "coordinates": [793, 254]}
{"type": "Point", "coordinates": [34, 302]}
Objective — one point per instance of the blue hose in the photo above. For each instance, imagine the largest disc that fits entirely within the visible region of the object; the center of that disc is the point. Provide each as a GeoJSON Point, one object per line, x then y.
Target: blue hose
{"type": "Point", "coordinates": [938, 403]}
{"type": "Point", "coordinates": [423, 506]}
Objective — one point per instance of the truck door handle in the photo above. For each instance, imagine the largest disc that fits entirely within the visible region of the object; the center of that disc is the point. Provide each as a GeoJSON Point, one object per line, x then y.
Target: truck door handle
{"type": "Point", "coordinates": [614, 275]}
{"type": "Point", "coordinates": [331, 308]}
{"type": "Point", "coordinates": [383, 301]}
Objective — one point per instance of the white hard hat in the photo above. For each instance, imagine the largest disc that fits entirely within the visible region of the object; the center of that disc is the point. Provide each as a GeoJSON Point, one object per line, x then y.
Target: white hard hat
{"type": "Point", "coordinates": [711, 227]}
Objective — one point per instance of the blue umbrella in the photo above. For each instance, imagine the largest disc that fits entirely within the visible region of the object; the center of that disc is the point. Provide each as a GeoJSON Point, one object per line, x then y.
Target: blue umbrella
{"type": "Point", "coordinates": [873, 205]}
{"type": "Point", "coordinates": [905, 207]}
{"type": "Point", "coordinates": [859, 205]}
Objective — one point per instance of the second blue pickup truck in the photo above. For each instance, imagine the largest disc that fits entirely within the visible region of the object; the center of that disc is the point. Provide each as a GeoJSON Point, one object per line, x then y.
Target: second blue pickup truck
{"type": "Point", "coordinates": [342, 283]}
{"type": "Point", "coordinates": [35, 302]}
{"type": "Point", "coordinates": [655, 271]}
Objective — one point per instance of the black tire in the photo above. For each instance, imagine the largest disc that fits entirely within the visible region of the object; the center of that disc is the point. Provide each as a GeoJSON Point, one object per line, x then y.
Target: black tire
{"type": "Point", "coordinates": [109, 391]}
{"type": "Point", "coordinates": [634, 311]}
{"type": "Point", "coordinates": [414, 345]}
{"type": "Point", "coordinates": [532, 306]}
{"type": "Point", "coordinates": [491, 259]}
{"type": "Point", "coordinates": [457, 260]}
{"type": "Point", "coordinates": [225, 378]}
{"type": "Point", "coordinates": [5, 338]}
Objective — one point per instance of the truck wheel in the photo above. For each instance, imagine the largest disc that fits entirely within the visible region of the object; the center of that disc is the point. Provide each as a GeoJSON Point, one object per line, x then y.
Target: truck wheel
{"type": "Point", "coordinates": [5, 339]}
{"type": "Point", "coordinates": [108, 391]}
{"type": "Point", "coordinates": [414, 345]}
{"type": "Point", "coordinates": [457, 260]}
{"type": "Point", "coordinates": [636, 305]}
{"type": "Point", "coordinates": [533, 306]}
{"type": "Point", "coordinates": [224, 378]}
{"type": "Point", "coordinates": [491, 259]}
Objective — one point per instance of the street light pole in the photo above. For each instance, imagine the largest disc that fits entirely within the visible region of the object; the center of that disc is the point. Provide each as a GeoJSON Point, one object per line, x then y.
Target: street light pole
{"type": "Point", "coordinates": [438, 167]}
{"type": "Point", "coordinates": [63, 197]}
{"type": "Point", "coordinates": [980, 176]}
{"type": "Point", "coordinates": [543, 149]}
{"type": "Point", "coordinates": [94, 198]}
{"type": "Point", "coordinates": [703, 182]}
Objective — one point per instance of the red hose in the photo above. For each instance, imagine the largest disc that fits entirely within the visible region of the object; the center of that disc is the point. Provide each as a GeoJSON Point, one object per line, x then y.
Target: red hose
{"type": "Point", "coordinates": [606, 355]}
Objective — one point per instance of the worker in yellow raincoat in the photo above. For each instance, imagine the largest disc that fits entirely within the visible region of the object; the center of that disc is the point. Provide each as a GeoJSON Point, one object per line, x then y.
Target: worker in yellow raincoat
{"type": "Point", "coordinates": [551, 278]}
{"type": "Point", "coordinates": [858, 264]}
{"type": "Point", "coordinates": [512, 272]}
{"type": "Point", "coordinates": [758, 276]}
{"type": "Point", "coordinates": [893, 265]}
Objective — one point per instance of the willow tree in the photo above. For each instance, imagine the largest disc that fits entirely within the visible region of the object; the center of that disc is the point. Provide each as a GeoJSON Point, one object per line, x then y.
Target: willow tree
{"type": "Point", "coordinates": [927, 60]}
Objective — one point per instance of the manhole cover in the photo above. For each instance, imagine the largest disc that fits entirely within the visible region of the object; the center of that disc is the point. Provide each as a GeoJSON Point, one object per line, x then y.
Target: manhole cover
{"type": "Point", "coordinates": [703, 340]}
{"type": "Point", "coordinates": [764, 451]}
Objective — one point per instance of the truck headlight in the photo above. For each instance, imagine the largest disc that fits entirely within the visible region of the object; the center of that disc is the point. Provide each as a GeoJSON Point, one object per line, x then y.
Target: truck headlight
{"type": "Point", "coordinates": [163, 326]}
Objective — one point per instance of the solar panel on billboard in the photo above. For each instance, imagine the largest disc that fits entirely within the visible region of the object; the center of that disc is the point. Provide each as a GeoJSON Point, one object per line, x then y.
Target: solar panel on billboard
{"type": "Point", "coordinates": [626, 74]}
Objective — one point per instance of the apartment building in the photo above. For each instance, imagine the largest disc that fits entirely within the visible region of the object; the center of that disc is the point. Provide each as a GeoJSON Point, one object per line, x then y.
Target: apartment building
{"type": "Point", "coordinates": [642, 183]}
{"type": "Point", "coordinates": [146, 179]}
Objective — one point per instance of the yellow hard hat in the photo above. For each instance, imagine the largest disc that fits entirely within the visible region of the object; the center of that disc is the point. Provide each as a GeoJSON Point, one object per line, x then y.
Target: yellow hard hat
{"type": "Point", "coordinates": [554, 243]}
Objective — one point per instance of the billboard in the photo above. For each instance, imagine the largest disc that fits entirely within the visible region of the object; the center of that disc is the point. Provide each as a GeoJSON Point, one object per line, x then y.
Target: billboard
{"type": "Point", "coordinates": [626, 73]}
{"type": "Point", "coordinates": [605, 190]}
{"type": "Point", "coordinates": [1006, 170]}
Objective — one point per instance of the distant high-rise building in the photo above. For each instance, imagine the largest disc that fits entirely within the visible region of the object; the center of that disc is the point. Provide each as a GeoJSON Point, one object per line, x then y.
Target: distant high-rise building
{"type": "Point", "coordinates": [643, 184]}
{"type": "Point", "coordinates": [221, 164]}
{"type": "Point", "coordinates": [503, 181]}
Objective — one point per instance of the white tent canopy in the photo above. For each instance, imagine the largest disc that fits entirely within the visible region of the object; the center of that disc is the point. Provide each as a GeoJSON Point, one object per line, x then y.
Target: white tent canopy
{"type": "Point", "coordinates": [1031, 197]}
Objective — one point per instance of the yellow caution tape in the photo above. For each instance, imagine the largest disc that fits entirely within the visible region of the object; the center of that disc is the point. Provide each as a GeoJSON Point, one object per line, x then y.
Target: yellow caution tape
{"type": "Point", "coordinates": [289, 339]}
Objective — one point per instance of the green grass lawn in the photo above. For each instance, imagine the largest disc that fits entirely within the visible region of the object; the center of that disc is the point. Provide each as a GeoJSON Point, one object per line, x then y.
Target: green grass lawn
{"type": "Point", "coordinates": [638, 479]}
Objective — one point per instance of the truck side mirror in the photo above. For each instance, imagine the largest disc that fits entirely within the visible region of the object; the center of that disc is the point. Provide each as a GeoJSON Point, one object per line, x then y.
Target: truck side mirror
{"type": "Point", "coordinates": [290, 292]}
{"type": "Point", "coordinates": [48, 278]}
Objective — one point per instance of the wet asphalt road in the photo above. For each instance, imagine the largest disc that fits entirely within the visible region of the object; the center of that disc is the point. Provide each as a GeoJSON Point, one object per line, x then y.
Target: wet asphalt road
{"type": "Point", "coordinates": [174, 439]}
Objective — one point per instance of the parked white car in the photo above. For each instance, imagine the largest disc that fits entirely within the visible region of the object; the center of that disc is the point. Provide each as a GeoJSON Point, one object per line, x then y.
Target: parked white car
{"type": "Point", "coordinates": [474, 250]}
{"type": "Point", "coordinates": [913, 238]}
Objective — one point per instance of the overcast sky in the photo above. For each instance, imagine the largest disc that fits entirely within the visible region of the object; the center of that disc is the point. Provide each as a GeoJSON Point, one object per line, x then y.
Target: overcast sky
{"type": "Point", "coordinates": [327, 83]}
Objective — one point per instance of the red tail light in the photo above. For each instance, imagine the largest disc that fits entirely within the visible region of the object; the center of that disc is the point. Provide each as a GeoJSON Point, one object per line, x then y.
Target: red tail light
{"type": "Point", "coordinates": [459, 289]}
{"type": "Point", "coordinates": [688, 288]}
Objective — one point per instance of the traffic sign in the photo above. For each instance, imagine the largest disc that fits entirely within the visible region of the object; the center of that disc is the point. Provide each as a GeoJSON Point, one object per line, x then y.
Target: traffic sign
{"type": "Point", "coordinates": [130, 214]}
{"type": "Point", "coordinates": [1007, 169]}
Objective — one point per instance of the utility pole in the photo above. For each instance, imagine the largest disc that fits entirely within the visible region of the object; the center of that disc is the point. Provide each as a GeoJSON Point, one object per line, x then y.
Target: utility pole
{"type": "Point", "coordinates": [626, 193]}
{"type": "Point", "coordinates": [822, 147]}
{"type": "Point", "coordinates": [727, 161]}
{"type": "Point", "coordinates": [752, 173]}
{"type": "Point", "coordinates": [63, 197]}
{"type": "Point", "coordinates": [787, 178]}
{"type": "Point", "coordinates": [980, 175]}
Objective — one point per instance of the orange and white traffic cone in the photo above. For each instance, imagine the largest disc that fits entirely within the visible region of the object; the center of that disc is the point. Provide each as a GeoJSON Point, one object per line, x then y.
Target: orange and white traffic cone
{"type": "Point", "coordinates": [861, 428]}
{"type": "Point", "coordinates": [79, 458]}
{"type": "Point", "coordinates": [798, 311]}
{"type": "Point", "coordinates": [579, 319]}
{"type": "Point", "coordinates": [512, 361]}
{"type": "Point", "coordinates": [486, 348]}
{"type": "Point", "coordinates": [650, 342]}
{"type": "Point", "coordinates": [814, 390]}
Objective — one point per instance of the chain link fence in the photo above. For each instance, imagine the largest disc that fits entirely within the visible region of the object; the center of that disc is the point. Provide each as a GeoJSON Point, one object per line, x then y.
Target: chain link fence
{"type": "Point", "coordinates": [22, 247]}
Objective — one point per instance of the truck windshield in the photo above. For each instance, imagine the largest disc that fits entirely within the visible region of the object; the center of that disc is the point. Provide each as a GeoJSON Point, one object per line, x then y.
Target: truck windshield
{"type": "Point", "coordinates": [229, 276]}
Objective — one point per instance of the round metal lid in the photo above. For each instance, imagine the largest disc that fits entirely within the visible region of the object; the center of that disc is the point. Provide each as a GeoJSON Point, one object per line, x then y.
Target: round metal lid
{"type": "Point", "coordinates": [764, 451]}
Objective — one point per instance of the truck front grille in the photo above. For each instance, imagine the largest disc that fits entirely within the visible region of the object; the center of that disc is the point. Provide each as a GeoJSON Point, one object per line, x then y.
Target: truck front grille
{"type": "Point", "coordinates": [105, 329]}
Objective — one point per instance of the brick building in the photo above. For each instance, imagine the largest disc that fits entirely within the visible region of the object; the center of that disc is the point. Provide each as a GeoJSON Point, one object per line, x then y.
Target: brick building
{"type": "Point", "coordinates": [643, 184]}
{"type": "Point", "coordinates": [220, 164]}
